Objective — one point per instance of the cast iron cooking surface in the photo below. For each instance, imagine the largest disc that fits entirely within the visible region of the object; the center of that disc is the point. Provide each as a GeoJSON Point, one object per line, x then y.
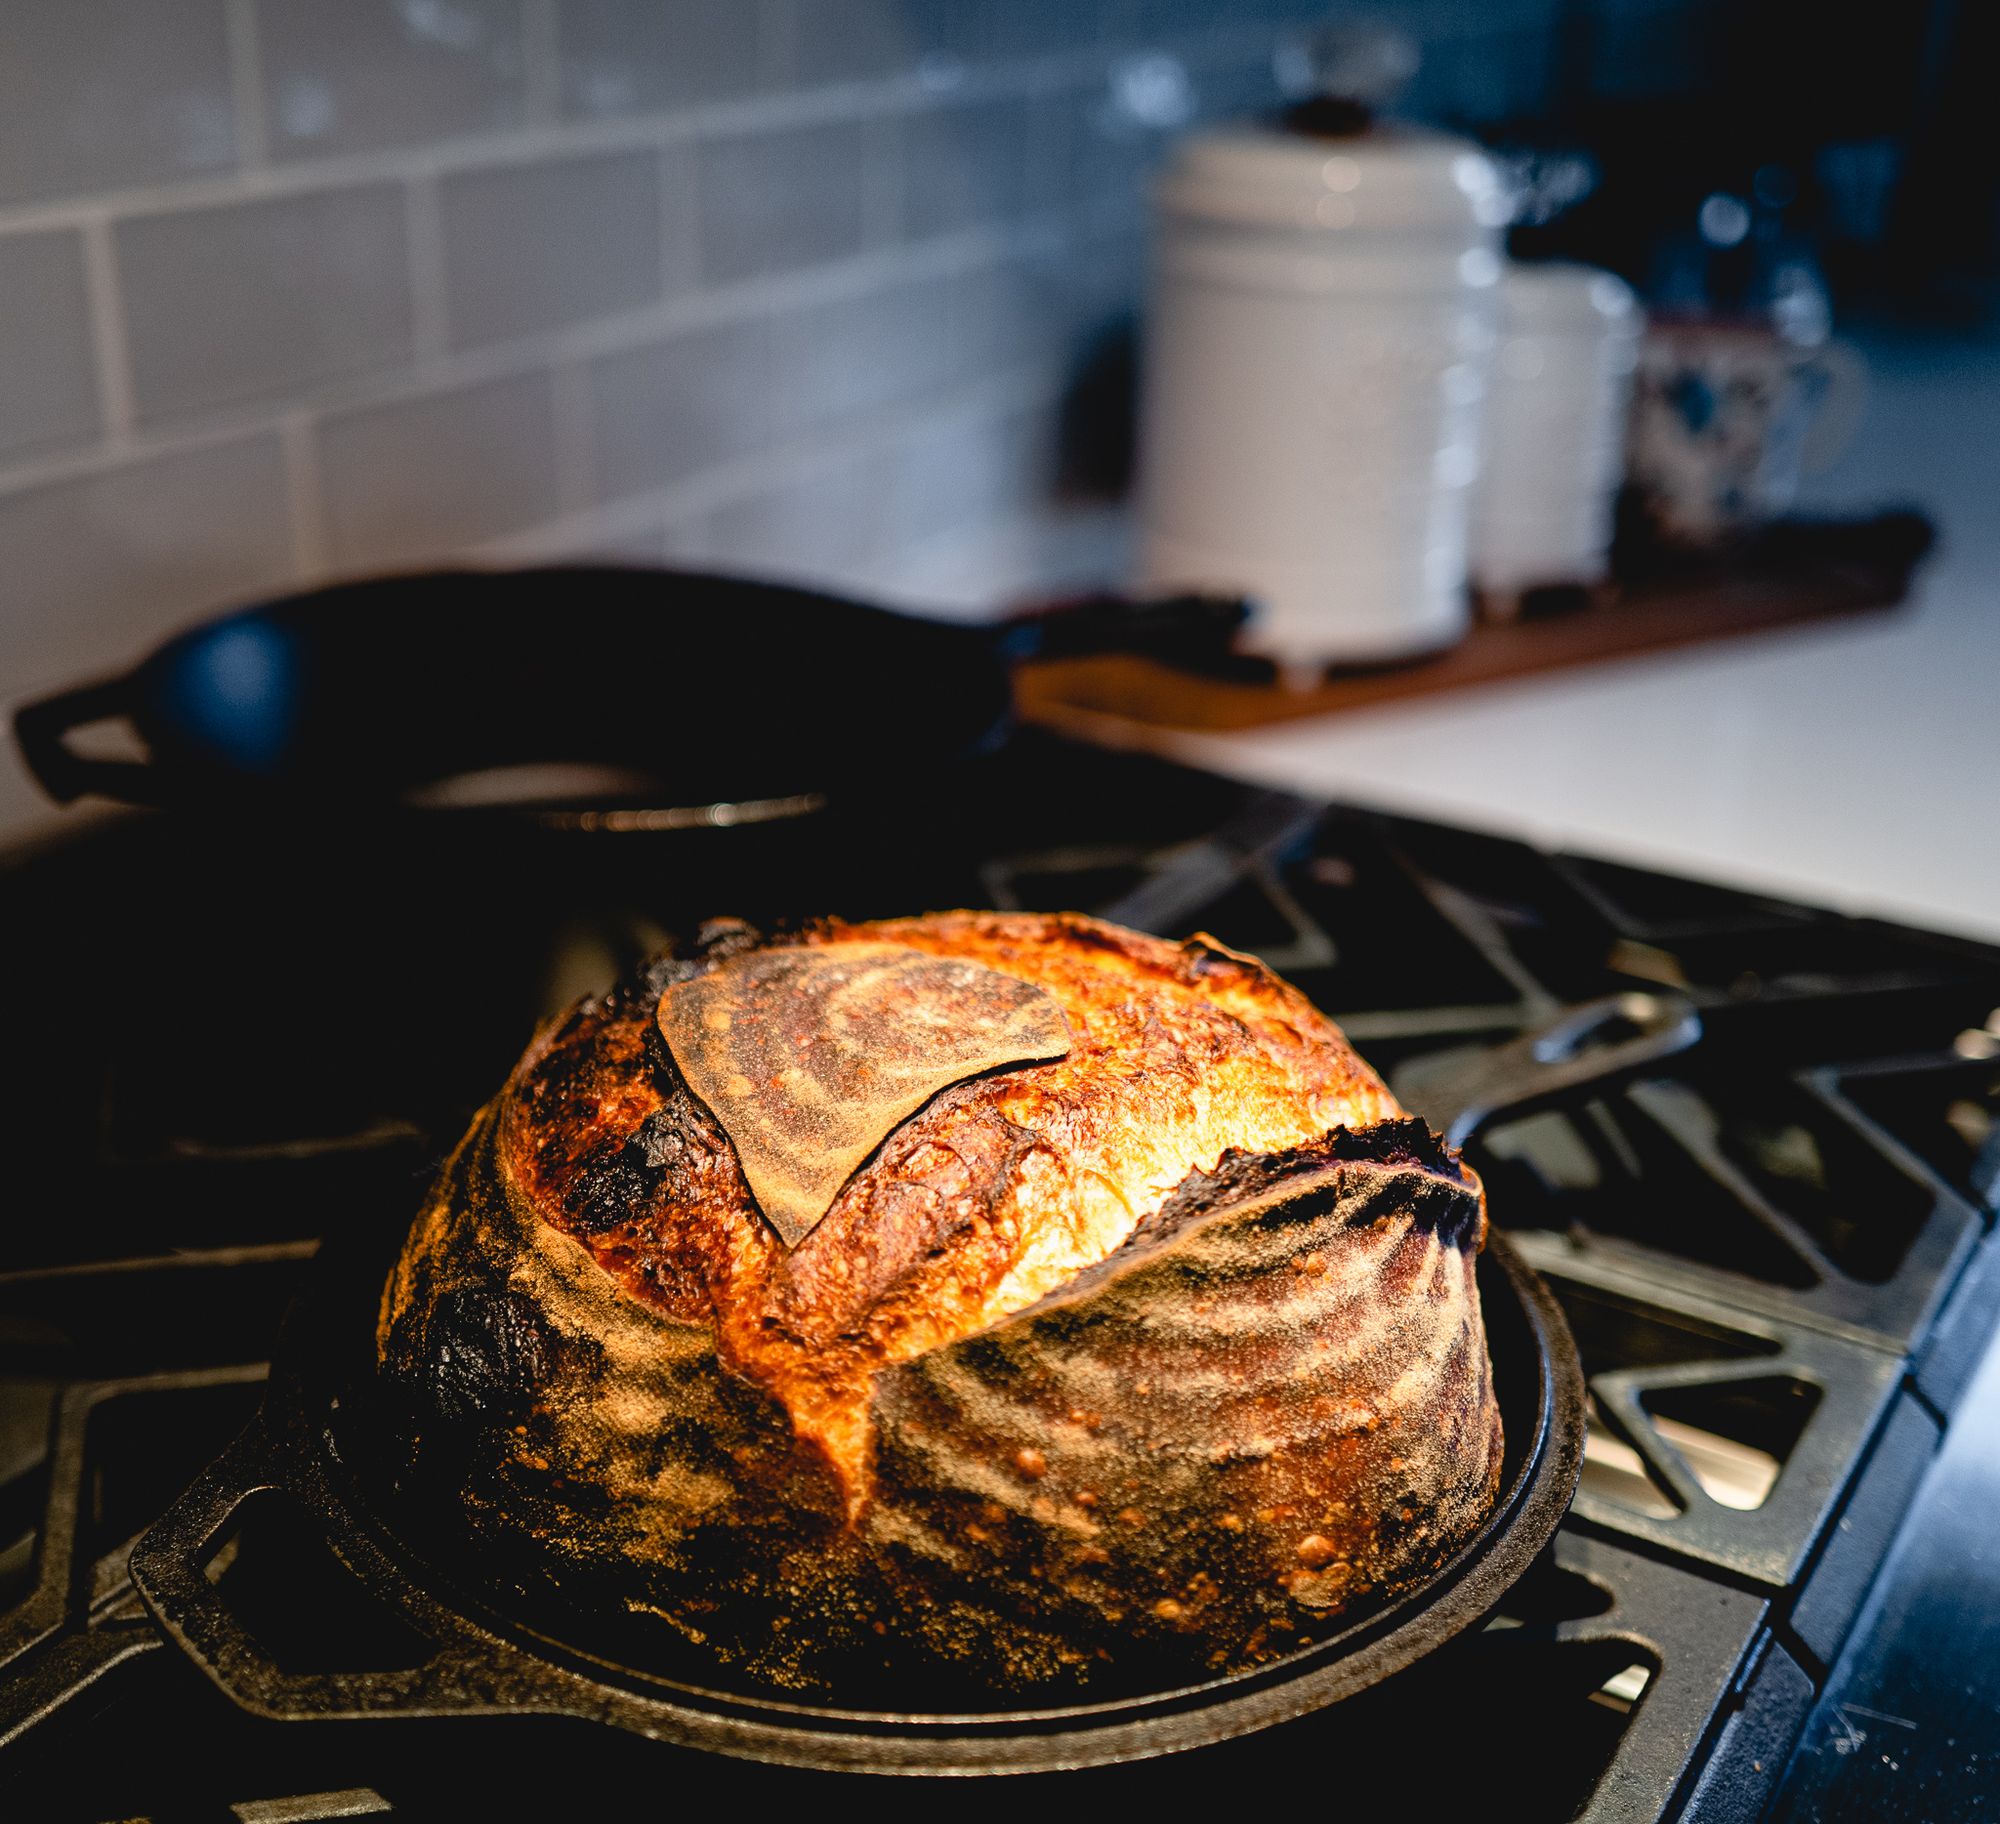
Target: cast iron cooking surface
{"type": "Point", "coordinates": [234, 1037]}
{"type": "Point", "coordinates": [499, 1635]}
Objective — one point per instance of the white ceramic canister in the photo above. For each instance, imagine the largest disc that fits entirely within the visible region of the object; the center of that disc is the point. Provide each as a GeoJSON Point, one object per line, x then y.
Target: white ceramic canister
{"type": "Point", "coordinates": [1556, 406]}
{"type": "Point", "coordinates": [1316, 359]}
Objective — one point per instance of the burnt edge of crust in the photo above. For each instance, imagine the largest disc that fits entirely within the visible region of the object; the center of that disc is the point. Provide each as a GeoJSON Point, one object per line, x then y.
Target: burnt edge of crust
{"type": "Point", "coordinates": [1406, 1141]}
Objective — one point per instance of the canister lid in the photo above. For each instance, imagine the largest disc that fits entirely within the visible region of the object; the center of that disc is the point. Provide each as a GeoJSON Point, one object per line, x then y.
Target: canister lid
{"type": "Point", "coordinates": [1390, 177]}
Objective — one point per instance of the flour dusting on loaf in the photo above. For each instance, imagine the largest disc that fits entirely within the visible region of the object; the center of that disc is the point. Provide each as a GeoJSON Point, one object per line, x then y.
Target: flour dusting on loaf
{"type": "Point", "coordinates": [1163, 1352]}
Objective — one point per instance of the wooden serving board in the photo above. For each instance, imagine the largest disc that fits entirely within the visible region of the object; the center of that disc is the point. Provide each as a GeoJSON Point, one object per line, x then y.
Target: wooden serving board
{"type": "Point", "coordinates": [1660, 617]}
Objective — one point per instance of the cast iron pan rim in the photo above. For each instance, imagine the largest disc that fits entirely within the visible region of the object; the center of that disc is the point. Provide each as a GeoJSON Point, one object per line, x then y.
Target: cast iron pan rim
{"type": "Point", "coordinates": [490, 1662]}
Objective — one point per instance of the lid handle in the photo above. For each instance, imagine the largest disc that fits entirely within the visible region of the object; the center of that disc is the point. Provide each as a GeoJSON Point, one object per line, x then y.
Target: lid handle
{"type": "Point", "coordinates": [1345, 75]}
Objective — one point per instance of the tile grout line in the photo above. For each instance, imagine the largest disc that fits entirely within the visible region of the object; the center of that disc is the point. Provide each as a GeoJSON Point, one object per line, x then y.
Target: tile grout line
{"type": "Point", "coordinates": [430, 308]}
{"type": "Point", "coordinates": [541, 56]}
{"type": "Point", "coordinates": [677, 173]}
{"type": "Point", "coordinates": [574, 407]}
{"type": "Point", "coordinates": [777, 43]}
{"type": "Point", "coordinates": [246, 86]}
{"type": "Point", "coordinates": [305, 499]}
{"type": "Point", "coordinates": [885, 154]}
{"type": "Point", "coordinates": [107, 336]}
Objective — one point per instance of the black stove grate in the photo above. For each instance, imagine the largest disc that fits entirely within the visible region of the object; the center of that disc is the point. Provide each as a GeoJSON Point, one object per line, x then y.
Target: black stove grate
{"type": "Point", "coordinates": [1766, 1183]}
{"type": "Point", "coordinates": [1727, 1437]}
{"type": "Point", "coordinates": [1776, 1256]}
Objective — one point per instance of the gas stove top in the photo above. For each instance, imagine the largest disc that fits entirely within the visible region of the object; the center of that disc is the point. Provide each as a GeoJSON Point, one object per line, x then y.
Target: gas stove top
{"type": "Point", "coordinates": [230, 1038]}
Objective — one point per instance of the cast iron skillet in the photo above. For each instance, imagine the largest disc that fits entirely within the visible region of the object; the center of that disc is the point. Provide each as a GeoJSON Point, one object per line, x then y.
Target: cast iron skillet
{"type": "Point", "coordinates": [483, 1657]}
{"type": "Point", "coordinates": [666, 687]}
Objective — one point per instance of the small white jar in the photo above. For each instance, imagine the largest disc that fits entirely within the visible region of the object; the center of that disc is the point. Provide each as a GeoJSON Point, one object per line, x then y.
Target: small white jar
{"type": "Point", "coordinates": [1315, 371]}
{"type": "Point", "coordinates": [1557, 402]}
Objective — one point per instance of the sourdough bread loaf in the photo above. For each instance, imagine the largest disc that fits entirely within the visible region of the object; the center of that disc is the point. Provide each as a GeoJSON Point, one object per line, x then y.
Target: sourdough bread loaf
{"type": "Point", "coordinates": [1004, 1301]}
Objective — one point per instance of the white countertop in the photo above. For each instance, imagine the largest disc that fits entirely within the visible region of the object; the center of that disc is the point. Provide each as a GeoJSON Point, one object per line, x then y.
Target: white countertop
{"type": "Point", "coordinates": [1855, 764]}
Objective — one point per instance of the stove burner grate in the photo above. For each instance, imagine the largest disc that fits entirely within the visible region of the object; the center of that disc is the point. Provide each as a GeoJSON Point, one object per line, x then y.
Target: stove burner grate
{"type": "Point", "coordinates": [1777, 1251]}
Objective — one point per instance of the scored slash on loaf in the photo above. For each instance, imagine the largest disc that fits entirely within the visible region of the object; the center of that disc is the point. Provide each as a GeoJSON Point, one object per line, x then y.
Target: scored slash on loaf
{"type": "Point", "coordinates": [809, 1057]}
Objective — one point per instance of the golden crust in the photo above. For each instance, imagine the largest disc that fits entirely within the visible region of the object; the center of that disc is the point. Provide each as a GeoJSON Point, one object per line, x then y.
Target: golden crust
{"type": "Point", "coordinates": [1168, 1345]}
{"type": "Point", "coordinates": [994, 1194]}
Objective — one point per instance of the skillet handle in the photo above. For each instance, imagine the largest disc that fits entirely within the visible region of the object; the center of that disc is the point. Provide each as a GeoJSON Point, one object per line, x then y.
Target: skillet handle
{"type": "Point", "coordinates": [1587, 1047]}
{"type": "Point", "coordinates": [459, 1667]}
{"type": "Point", "coordinates": [41, 728]}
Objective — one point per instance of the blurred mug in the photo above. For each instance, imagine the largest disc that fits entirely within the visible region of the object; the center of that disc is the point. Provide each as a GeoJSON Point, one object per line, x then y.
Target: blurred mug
{"type": "Point", "coordinates": [1726, 418]}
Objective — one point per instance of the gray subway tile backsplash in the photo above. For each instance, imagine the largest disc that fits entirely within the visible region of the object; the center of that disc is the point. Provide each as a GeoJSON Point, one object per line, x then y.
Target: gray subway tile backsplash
{"type": "Point", "coordinates": [639, 56]}
{"type": "Point", "coordinates": [822, 526]}
{"type": "Point", "coordinates": [854, 40]}
{"type": "Point", "coordinates": [103, 565]}
{"type": "Point", "coordinates": [264, 299]}
{"type": "Point", "coordinates": [110, 93]}
{"type": "Point", "coordinates": [359, 75]}
{"type": "Point", "coordinates": [1024, 28]}
{"type": "Point", "coordinates": [846, 40]}
{"type": "Point", "coordinates": [774, 201]}
{"type": "Point", "coordinates": [48, 375]}
{"type": "Point", "coordinates": [532, 247]}
{"type": "Point", "coordinates": [967, 469]}
{"type": "Point", "coordinates": [415, 480]}
{"type": "Point", "coordinates": [861, 40]}
{"type": "Point", "coordinates": [840, 361]}
{"type": "Point", "coordinates": [645, 544]}
{"type": "Point", "coordinates": [964, 167]}
{"type": "Point", "coordinates": [663, 412]}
